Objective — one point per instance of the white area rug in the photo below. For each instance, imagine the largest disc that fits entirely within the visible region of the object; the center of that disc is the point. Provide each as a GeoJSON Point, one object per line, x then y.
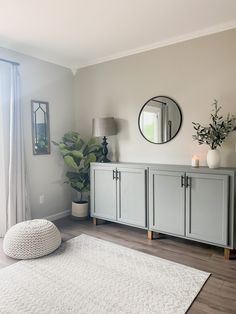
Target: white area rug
{"type": "Point", "coordinates": [88, 275]}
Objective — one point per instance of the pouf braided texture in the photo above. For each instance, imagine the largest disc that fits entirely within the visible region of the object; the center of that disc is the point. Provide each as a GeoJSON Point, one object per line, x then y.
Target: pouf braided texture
{"type": "Point", "coordinates": [31, 239]}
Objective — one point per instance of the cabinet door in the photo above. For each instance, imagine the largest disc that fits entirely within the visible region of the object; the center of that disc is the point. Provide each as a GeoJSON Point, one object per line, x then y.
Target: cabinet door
{"type": "Point", "coordinates": [207, 207]}
{"type": "Point", "coordinates": [131, 197]}
{"type": "Point", "coordinates": [103, 192]}
{"type": "Point", "coordinates": [167, 202]}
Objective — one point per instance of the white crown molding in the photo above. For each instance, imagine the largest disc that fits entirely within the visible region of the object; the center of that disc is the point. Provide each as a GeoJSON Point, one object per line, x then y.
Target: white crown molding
{"type": "Point", "coordinates": [21, 51]}
{"type": "Point", "coordinates": [74, 70]}
{"type": "Point", "coordinates": [174, 40]}
{"type": "Point", "coordinates": [171, 41]}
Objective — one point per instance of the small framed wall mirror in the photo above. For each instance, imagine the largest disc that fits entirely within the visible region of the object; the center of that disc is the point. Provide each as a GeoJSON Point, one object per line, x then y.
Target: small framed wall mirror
{"type": "Point", "coordinates": [40, 127]}
{"type": "Point", "coordinates": [160, 119]}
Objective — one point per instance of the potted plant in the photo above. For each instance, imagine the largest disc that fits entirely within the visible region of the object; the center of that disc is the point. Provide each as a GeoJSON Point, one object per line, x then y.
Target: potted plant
{"type": "Point", "coordinates": [77, 156]}
{"type": "Point", "coordinates": [214, 134]}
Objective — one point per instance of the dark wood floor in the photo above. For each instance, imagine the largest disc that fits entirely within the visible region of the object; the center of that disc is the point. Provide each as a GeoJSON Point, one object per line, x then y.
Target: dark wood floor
{"type": "Point", "coordinates": [219, 293]}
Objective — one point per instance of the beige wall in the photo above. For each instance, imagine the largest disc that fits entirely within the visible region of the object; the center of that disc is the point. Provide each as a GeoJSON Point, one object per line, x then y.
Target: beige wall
{"type": "Point", "coordinates": [193, 73]}
{"type": "Point", "coordinates": [48, 82]}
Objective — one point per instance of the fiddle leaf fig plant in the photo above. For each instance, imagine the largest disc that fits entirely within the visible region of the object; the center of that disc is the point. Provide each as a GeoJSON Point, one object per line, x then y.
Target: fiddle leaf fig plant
{"type": "Point", "coordinates": [218, 129]}
{"type": "Point", "coordinates": [78, 155]}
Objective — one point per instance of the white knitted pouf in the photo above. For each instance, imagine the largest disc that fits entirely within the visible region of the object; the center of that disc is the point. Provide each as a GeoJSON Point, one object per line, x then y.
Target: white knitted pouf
{"type": "Point", "coordinates": [31, 239]}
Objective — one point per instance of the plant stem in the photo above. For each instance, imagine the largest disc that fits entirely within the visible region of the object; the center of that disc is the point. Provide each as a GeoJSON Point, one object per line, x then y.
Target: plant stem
{"type": "Point", "coordinates": [81, 196]}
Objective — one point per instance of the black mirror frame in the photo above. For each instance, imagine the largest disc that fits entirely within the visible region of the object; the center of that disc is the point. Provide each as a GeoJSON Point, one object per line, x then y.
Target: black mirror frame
{"type": "Point", "coordinates": [33, 128]}
{"type": "Point", "coordinates": [180, 124]}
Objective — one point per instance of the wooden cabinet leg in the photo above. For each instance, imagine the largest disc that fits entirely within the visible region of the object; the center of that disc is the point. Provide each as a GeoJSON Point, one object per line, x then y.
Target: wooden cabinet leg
{"type": "Point", "coordinates": [95, 221]}
{"type": "Point", "coordinates": [227, 254]}
{"type": "Point", "coordinates": [150, 235]}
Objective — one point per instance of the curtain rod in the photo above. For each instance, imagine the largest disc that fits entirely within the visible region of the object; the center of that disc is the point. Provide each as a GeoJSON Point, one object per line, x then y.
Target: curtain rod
{"type": "Point", "coordinates": [8, 61]}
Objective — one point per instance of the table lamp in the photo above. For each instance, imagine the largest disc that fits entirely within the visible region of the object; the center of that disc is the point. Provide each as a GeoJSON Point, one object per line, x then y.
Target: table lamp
{"type": "Point", "coordinates": [103, 127]}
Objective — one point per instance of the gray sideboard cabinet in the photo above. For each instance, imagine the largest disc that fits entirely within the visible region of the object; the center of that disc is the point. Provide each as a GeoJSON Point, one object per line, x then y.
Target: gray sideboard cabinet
{"type": "Point", "coordinates": [119, 193]}
{"type": "Point", "coordinates": [207, 198]}
{"type": "Point", "coordinates": [167, 202]}
{"type": "Point", "coordinates": [192, 203]}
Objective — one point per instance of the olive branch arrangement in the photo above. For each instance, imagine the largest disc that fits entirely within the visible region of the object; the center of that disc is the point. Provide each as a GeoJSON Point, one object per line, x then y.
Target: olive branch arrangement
{"type": "Point", "coordinates": [218, 129]}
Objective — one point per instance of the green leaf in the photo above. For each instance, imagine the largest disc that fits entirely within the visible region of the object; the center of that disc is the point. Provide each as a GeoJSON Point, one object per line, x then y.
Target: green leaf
{"type": "Point", "coordinates": [91, 158]}
{"type": "Point", "coordinates": [92, 141]}
{"type": "Point", "coordinates": [79, 144]}
{"type": "Point", "coordinates": [72, 175]}
{"type": "Point", "coordinates": [79, 185]}
{"type": "Point", "coordinates": [94, 148]}
{"type": "Point", "coordinates": [65, 152]}
{"type": "Point", "coordinates": [70, 162]}
{"type": "Point", "coordinates": [77, 154]}
{"type": "Point", "coordinates": [62, 146]}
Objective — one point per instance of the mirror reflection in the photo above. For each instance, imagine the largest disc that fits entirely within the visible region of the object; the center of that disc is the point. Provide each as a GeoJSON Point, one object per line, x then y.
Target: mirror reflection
{"type": "Point", "coordinates": [40, 127]}
{"type": "Point", "coordinates": [160, 119]}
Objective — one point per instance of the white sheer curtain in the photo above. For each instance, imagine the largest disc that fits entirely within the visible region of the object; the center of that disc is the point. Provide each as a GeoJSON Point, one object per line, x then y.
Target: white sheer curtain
{"type": "Point", "coordinates": [14, 205]}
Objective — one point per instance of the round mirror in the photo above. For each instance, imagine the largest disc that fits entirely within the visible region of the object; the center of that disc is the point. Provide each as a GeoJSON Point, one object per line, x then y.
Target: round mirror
{"type": "Point", "coordinates": [160, 119]}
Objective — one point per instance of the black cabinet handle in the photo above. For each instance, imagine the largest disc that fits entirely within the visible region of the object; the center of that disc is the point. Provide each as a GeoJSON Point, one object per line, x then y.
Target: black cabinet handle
{"type": "Point", "coordinates": [182, 181]}
{"type": "Point", "coordinates": [117, 175]}
{"type": "Point", "coordinates": [188, 181]}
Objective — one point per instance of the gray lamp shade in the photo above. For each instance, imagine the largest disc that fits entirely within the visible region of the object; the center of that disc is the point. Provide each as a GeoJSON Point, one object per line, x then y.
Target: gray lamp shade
{"type": "Point", "coordinates": [104, 127]}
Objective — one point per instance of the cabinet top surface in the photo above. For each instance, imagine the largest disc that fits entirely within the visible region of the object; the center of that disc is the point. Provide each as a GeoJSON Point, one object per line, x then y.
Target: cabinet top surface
{"type": "Point", "coordinates": [185, 168]}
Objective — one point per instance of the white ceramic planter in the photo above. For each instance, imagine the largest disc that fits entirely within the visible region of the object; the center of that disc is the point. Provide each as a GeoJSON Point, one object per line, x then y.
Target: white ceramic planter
{"type": "Point", "coordinates": [80, 210]}
{"type": "Point", "coordinates": [213, 158]}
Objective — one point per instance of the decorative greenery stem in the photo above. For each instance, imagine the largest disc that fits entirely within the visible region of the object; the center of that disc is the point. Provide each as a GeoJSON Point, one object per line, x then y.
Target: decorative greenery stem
{"type": "Point", "coordinates": [218, 129]}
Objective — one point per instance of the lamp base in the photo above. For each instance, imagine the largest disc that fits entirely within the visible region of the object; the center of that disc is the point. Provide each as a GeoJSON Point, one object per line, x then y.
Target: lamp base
{"type": "Point", "coordinates": [104, 150]}
{"type": "Point", "coordinates": [105, 159]}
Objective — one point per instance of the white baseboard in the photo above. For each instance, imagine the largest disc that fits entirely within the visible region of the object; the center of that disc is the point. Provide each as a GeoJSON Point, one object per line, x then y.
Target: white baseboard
{"type": "Point", "coordinates": [62, 214]}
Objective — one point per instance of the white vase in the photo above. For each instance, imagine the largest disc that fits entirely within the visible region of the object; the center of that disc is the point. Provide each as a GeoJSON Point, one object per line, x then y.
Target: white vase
{"type": "Point", "coordinates": [213, 158]}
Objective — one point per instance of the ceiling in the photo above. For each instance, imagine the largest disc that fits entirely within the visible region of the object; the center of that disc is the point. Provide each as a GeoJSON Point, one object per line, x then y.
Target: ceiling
{"type": "Point", "coordinates": [77, 33]}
